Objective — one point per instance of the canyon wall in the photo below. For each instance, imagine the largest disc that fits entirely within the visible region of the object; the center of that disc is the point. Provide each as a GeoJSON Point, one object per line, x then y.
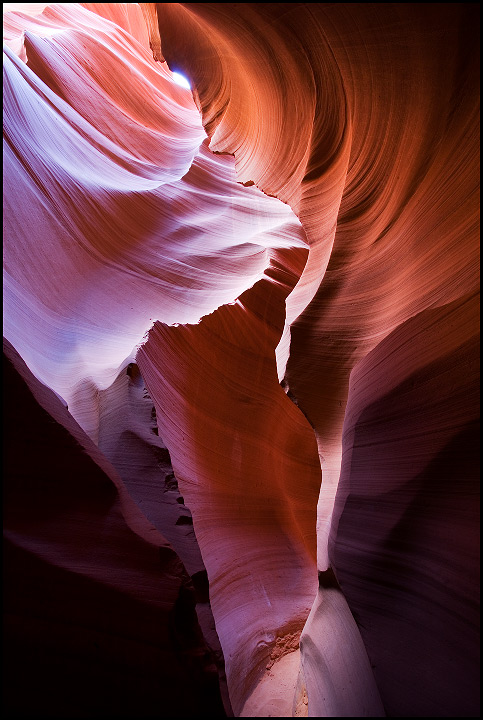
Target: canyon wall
{"type": "Point", "coordinates": [249, 316]}
{"type": "Point", "coordinates": [99, 611]}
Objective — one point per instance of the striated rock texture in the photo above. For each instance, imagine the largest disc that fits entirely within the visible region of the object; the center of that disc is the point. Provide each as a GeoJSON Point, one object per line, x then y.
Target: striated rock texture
{"type": "Point", "coordinates": [108, 179]}
{"type": "Point", "coordinates": [410, 473]}
{"type": "Point", "coordinates": [289, 255]}
{"type": "Point", "coordinates": [99, 611]}
{"type": "Point", "coordinates": [246, 462]}
{"type": "Point", "coordinates": [129, 438]}
{"type": "Point", "coordinates": [367, 125]}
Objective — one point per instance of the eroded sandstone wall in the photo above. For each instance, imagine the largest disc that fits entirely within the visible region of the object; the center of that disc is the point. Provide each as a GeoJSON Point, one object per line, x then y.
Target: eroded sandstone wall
{"type": "Point", "coordinates": [99, 611]}
{"type": "Point", "coordinates": [302, 226]}
{"type": "Point", "coordinates": [364, 118]}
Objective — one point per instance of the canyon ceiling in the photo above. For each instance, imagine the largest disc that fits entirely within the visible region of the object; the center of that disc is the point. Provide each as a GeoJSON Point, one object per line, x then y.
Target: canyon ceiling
{"type": "Point", "coordinates": [241, 360]}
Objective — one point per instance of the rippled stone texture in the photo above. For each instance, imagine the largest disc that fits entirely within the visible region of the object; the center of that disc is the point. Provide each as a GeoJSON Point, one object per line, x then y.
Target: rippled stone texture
{"type": "Point", "coordinates": [99, 611]}
{"type": "Point", "coordinates": [366, 122]}
{"type": "Point", "coordinates": [105, 170]}
{"type": "Point", "coordinates": [410, 473]}
{"type": "Point", "coordinates": [358, 293]}
{"type": "Point", "coordinates": [246, 462]}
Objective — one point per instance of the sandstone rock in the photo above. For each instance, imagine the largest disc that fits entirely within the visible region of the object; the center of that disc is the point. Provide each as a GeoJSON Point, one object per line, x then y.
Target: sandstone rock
{"type": "Point", "coordinates": [290, 252]}
{"type": "Point", "coordinates": [99, 611]}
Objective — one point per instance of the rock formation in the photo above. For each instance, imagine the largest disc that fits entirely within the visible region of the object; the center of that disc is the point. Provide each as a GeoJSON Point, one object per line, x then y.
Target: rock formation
{"type": "Point", "coordinates": [99, 611]}
{"type": "Point", "coordinates": [242, 336]}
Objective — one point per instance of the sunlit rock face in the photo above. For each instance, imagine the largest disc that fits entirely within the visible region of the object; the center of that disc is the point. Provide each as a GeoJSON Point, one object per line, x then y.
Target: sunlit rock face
{"type": "Point", "coordinates": [366, 124]}
{"type": "Point", "coordinates": [100, 165]}
{"type": "Point", "coordinates": [301, 227]}
{"type": "Point", "coordinates": [247, 464]}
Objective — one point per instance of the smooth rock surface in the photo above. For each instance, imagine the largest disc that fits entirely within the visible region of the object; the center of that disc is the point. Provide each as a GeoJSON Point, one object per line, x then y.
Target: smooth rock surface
{"type": "Point", "coordinates": [99, 611]}
{"type": "Point", "coordinates": [406, 542]}
{"type": "Point", "coordinates": [303, 226]}
{"type": "Point", "coordinates": [246, 463]}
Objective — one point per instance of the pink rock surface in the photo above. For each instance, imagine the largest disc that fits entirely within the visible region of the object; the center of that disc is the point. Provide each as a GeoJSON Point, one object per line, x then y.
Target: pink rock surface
{"type": "Point", "coordinates": [129, 234]}
{"type": "Point", "coordinates": [380, 163]}
{"type": "Point", "coordinates": [129, 439]}
{"type": "Point", "coordinates": [246, 462]}
{"type": "Point", "coordinates": [106, 179]}
{"type": "Point", "coordinates": [98, 608]}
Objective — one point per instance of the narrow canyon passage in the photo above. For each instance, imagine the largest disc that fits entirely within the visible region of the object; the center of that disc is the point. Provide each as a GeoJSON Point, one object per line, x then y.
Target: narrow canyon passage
{"type": "Point", "coordinates": [123, 273]}
{"type": "Point", "coordinates": [241, 340]}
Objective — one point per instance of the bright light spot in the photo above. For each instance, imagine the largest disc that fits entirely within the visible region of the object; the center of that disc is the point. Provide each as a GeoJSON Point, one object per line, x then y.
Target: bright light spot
{"type": "Point", "coordinates": [181, 80]}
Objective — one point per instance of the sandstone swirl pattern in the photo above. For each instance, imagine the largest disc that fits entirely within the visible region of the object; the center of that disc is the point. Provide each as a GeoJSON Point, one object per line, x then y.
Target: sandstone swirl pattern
{"type": "Point", "coordinates": [345, 273]}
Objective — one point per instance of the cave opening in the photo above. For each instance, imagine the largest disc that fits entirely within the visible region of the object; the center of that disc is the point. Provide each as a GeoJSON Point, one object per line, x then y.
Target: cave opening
{"type": "Point", "coordinates": [181, 80]}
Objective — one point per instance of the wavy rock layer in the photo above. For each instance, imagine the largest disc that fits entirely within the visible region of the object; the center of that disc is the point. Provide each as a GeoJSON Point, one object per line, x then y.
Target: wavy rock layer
{"type": "Point", "coordinates": [99, 610]}
{"type": "Point", "coordinates": [116, 214]}
{"type": "Point", "coordinates": [246, 462]}
{"type": "Point", "coordinates": [104, 179]}
{"type": "Point", "coordinates": [410, 472]}
{"type": "Point", "coordinates": [366, 123]}
{"type": "Point", "coordinates": [129, 439]}
{"type": "Point", "coordinates": [359, 294]}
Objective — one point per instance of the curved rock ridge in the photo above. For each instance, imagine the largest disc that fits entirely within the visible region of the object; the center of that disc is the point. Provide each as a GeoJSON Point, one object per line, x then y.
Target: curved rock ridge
{"type": "Point", "coordinates": [345, 273]}
{"type": "Point", "coordinates": [246, 462]}
{"type": "Point", "coordinates": [365, 120]}
{"type": "Point", "coordinates": [410, 473]}
{"type": "Point", "coordinates": [82, 57]}
{"type": "Point", "coordinates": [382, 101]}
{"type": "Point", "coordinates": [122, 229]}
{"type": "Point", "coordinates": [129, 439]}
{"type": "Point", "coordinates": [106, 171]}
{"type": "Point", "coordinates": [99, 610]}
{"type": "Point", "coordinates": [270, 92]}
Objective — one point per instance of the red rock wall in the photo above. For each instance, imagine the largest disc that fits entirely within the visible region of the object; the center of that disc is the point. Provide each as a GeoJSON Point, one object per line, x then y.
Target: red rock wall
{"type": "Point", "coordinates": [364, 117]}
{"type": "Point", "coordinates": [406, 542]}
{"type": "Point", "coordinates": [129, 439]}
{"type": "Point", "coordinates": [358, 291]}
{"type": "Point", "coordinates": [247, 465]}
{"type": "Point", "coordinates": [99, 612]}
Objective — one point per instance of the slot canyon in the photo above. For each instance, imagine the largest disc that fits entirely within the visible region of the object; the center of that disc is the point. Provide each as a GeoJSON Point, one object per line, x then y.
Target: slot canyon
{"type": "Point", "coordinates": [241, 360]}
